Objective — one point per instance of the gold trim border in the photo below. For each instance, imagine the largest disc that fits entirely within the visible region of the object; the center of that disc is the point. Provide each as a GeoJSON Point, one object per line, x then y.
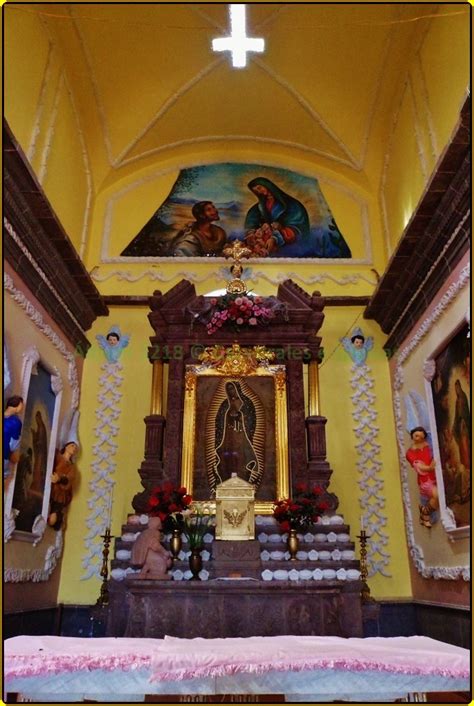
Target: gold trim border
{"type": "Point", "coordinates": [278, 373]}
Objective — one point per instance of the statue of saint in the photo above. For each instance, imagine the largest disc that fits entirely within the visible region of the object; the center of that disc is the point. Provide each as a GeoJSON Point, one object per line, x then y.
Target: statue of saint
{"type": "Point", "coordinates": [149, 554]}
{"type": "Point", "coordinates": [238, 444]}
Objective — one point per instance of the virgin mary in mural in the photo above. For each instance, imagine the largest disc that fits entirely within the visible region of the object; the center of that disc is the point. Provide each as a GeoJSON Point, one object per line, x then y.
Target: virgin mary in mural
{"type": "Point", "coordinates": [290, 218]}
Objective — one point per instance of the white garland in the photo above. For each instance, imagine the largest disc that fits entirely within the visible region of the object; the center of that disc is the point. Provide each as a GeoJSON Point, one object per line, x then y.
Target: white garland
{"type": "Point", "coordinates": [416, 552]}
{"type": "Point", "coordinates": [103, 466]}
{"type": "Point", "coordinates": [223, 275]}
{"type": "Point", "coordinates": [372, 499]}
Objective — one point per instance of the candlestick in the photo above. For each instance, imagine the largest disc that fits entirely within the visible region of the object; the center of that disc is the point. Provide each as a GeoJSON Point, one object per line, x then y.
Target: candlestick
{"type": "Point", "coordinates": [103, 598]}
{"type": "Point", "coordinates": [365, 592]}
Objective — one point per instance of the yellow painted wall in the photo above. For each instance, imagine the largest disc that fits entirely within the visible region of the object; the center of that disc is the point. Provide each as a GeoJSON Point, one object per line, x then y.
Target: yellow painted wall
{"type": "Point", "coordinates": [43, 116]}
{"type": "Point", "coordinates": [336, 405]}
{"type": "Point", "coordinates": [425, 114]}
{"type": "Point", "coordinates": [134, 406]}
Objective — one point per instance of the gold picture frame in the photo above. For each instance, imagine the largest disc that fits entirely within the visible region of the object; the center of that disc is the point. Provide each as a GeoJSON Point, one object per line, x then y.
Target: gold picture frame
{"type": "Point", "coordinates": [237, 364]}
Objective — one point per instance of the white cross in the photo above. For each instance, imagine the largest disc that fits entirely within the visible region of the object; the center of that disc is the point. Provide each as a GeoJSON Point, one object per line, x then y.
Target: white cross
{"type": "Point", "coordinates": [238, 43]}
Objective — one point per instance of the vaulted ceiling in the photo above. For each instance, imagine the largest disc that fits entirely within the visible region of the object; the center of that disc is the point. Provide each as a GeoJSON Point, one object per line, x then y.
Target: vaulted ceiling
{"type": "Point", "coordinates": [146, 81]}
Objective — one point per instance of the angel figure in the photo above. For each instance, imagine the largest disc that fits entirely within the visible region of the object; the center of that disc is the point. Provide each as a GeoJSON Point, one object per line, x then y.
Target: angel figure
{"type": "Point", "coordinates": [357, 346]}
{"type": "Point", "coordinates": [113, 343]}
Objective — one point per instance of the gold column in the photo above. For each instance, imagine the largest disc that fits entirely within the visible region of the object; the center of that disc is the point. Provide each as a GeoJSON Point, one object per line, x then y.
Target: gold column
{"type": "Point", "coordinates": [313, 388]}
{"type": "Point", "coordinates": [157, 388]}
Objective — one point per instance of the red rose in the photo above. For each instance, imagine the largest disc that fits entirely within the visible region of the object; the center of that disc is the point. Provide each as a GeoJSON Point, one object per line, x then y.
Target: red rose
{"type": "Point", "coordinates": [187, 500]}
{"type": "Point", "coordinates": [323, 506]}
{"type": "Point", "coordinates": [182, 490]}
{"type": "Point", "coordinates": [317, 490]}
{"type": "Point", "coordinates": [285, 526]}
{"type": "Point", "coordinates": [173, 507]}
{"type": "Point", "coordinates": [294, 508]}
{"type": "Point", "coordinates": [168, 487]}
{"type": "Point", "coordinates": [153, 502]}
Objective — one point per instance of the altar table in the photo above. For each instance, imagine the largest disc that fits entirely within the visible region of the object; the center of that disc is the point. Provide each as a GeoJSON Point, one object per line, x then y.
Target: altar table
{"type": "Point", "coordinates": [303, 668]}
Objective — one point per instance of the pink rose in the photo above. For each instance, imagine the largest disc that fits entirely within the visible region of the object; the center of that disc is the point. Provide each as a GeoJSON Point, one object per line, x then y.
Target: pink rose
{"type": "Point", "coordinates": [258, 300]}
{"type": "Point", "coordinates": [253, 321]}
{"type": "Point", "coordinates": [239, 301]}
{"type": "Point", "coordinates": [239, 321]}
{"type": "Point", "coordinates": [213, 301]}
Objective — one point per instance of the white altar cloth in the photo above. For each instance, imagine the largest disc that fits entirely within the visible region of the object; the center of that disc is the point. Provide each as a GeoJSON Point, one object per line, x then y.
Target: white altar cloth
{"type": "Point", "coordinates": [304, 668]}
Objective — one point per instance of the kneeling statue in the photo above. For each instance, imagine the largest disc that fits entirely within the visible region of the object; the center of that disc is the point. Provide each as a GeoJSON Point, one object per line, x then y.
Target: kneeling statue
{"type": "Point", "coordinates": [148, 553]}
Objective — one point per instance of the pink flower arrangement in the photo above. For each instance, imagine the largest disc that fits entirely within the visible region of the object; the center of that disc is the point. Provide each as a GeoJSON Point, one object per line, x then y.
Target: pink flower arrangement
{"type": "Point", "coordinates": [239, 310]}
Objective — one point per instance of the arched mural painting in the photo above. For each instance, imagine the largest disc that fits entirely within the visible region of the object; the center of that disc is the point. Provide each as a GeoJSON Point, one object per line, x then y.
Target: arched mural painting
{"type": "Point", "coordinates": [277, 212]}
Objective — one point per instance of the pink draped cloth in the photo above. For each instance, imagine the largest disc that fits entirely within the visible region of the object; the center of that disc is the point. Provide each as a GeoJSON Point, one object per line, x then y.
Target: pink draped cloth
{"type": "Point", "coordinates": [176, 659]}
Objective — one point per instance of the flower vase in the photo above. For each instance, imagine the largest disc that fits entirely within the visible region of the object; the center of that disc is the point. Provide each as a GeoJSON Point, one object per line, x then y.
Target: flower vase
{"type": "Point", "coordinates": [176, 543]}
{"type": "Point", "coordinates": [293, 544]}
{"type": "Point", "coordinates": [195, 564]}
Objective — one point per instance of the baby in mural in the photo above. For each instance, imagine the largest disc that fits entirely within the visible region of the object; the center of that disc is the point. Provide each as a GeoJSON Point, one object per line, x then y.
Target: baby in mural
{"type": "Point", "coordinates": [420, 457]}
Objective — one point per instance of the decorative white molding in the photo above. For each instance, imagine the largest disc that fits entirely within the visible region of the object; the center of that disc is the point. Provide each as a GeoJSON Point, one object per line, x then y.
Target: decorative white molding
{"type": "Point", "coordinates": [418, 66]}
{"type": "Point", "coordinates": [20, 299]}
{"type": "Point", "coordinates": [12, 232]}
{"type": "Point", "coordinates": [416, 552]}
{"type": "Point", "coordinates": [369, 466]}
{"type": "Point", "coordinates": [36, 131]}
{"type": "Point", "coordinates": [103, 466]}
{"type": "Point", "coordinates": [418, 135]}
{"type": "Point", "coordinates": [376, 96]}
{"type": "Point", "coordinates": [38, 529]}
{"type": "Point", "coordinates": [9, 524]}
{"type": "Point", "coordinates": [429, 369]}
{"type": "Point", "coordinates": [95, 87]}
{"type": "Point", "coordinates": [41, 173]}
{"type": "Point", "coordinates": [53, 553]}
{"type": "Point", "coordinates": [222, 275]}
{"type": "Point", "coordinates": [169, 102]}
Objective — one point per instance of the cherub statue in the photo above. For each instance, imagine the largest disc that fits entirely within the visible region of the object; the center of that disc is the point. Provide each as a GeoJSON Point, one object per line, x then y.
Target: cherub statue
{"type": "Point", "coordinates": [357, 346]}
{"type": "Point", "coordinates": [148, 553]}
{"type": "Point", "coordinates": [113, 343]}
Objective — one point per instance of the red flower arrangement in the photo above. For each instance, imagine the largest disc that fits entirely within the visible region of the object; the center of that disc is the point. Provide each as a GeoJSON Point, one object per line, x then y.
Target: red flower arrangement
{"type": "Point", "coordinates": [301, 511]}
{"type": "Point", "coordinates": [168, 503]}
{"type": "Point", "coordinates": [240, 310]}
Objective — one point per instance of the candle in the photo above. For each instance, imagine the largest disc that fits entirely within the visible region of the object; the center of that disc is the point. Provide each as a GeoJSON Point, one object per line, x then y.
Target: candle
{"type": "Point", "coordinates": [362, 523]}
{"type": "Point", "coordinates": [109, 509]}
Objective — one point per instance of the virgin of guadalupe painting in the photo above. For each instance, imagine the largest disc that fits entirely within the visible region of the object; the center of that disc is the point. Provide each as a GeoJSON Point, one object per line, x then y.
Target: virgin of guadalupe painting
{"type": "Point", "coordinates": [235, 433]}
{"type": "Point", "coordinates": [450, 388]}
{"type": "Point", "coordinates": [276, 212]}
{"type": "Point", "coordinates": [30, 479]}
{"type": "Point", "coordinates": [235, 442]}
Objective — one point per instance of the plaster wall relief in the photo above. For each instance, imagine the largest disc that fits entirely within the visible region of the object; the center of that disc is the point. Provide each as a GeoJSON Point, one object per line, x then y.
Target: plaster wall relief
{"type": "Point", "coordinates": [46, 375]}
{"type": "Point", "coordinates": [369, 465]}
{"type": "Point", "coordinates": [101, 485]}
{"type": "Point", "coordinates": [429, 376]}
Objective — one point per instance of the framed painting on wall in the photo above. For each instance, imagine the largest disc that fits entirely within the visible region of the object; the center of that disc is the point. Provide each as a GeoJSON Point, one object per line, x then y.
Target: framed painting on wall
{"type": "Point", "coordinates": [236, 424]}
{"type": "Point", "coordinates": [28, 497]}
{"type": "Point", "coordinates": [447, 373]}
